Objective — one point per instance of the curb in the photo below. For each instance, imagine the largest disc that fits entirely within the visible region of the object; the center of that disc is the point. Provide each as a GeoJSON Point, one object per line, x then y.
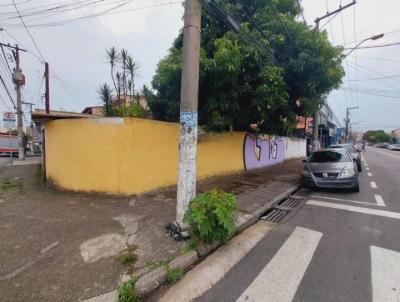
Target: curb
{"type": "Point", "coordinates": [148, 280]}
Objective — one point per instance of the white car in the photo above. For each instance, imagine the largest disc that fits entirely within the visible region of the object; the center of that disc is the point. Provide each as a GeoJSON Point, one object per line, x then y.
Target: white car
{"type": "Point", "coordinates": [395, 147]}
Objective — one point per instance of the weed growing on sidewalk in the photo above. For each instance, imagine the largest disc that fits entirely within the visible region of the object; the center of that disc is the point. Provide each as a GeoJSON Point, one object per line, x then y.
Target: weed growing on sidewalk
{"type": "Point", "coordinates": [175, 275]}
{"type": "Point", "coordinates": [156, 264]}
{"type": "Point", "coordinates": [127, 258]}
{"type": "Point", "coordinates": [14, 184]}
{"type": "Point", "coordinates": [211, 216]}
{"type": "Point", "coordinates": [127, 293]}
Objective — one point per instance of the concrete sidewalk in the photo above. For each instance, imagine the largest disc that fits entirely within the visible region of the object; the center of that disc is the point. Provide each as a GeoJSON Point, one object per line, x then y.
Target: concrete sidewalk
{"type": "Point", "coordinates": [62, 246]}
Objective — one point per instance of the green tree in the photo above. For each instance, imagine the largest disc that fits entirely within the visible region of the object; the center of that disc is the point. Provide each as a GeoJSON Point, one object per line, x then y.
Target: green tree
{"type": "Point", "coordinates": [376, 136]}
{"type": "Point", "coordinates": [239, 82]}
{"type": "Point", "coordinates": [105, 94]}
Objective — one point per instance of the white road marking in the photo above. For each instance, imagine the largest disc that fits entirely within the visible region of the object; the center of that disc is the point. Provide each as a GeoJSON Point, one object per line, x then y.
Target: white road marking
{"type": "Point", "coordinates": [379, 201]}
{"type": "Point", "coordinates": [373, 185]}
{"type": "Point", "coordinates": [49, 247]}
{"type": "Point", "coordinates": [43, 253]}
{"type": "Point", "coordinates": [367, 168]}
{"type": "Point", "coordinates": [280, 278]}
{"type": "Point", "coordinates": [209, 272]}
{"type": "Point", "coordinates": [388, 154]}
{"type": "Point", "coordinates": [369, 174]}
{"type": "Point", "coordinates": [385, 275]}
{"type": "Point", "coordinates": [347, 200]}
{"type": "Point", "coordinates": [344, 207]}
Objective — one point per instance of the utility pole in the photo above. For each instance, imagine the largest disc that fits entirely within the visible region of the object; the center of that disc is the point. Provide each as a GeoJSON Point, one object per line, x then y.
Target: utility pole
{"type": "Point", "coordinates": [316, 144]}
{"type": "Point", "coordinates": [18, 83]}
{"type": "Point", "coordinates": [186, 187]}
{"type": "Point", "coordinates": [347, 121]}
{"type": "Point", "coordinates": [47, 93]}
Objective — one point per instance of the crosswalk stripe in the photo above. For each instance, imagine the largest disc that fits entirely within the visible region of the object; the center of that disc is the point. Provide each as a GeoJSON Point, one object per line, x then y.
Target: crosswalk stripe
{"type": "Point", "coordinates": [379, 201]}
{"type": "Point", "coordinates": [345, 207]}
{"type": "Point", "coordinates": [280, 278]}
{"type": "Point", "coordinates": [385, 275]}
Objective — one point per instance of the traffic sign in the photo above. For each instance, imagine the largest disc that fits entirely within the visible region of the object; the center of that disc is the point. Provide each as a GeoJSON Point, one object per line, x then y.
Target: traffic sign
{"type": "Point", "coordinates": [9, 120]}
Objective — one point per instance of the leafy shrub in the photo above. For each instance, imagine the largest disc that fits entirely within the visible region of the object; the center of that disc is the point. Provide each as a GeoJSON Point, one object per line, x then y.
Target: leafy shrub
{"type": "Point", "coordinates": [135, 110]}
{"type": "Point", "coordinates": [127, 293]}
{"type": "Point", "coordinates": [175, 275]}
{"type": "Point", "coordinates": [211, 216]}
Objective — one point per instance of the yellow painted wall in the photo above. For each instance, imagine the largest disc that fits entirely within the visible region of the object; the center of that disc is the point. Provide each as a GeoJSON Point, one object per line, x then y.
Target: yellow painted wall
{"type": "Point", "coordinates": [129, 156]}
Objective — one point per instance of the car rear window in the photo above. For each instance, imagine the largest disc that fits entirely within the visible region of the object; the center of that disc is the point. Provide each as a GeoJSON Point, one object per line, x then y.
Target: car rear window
{"type": "Point", "coordinates": [349, 148]}
{"type": "Point", "coordinates": [329, 157]}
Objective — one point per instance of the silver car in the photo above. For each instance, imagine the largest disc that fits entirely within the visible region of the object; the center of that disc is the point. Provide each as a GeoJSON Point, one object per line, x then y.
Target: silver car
{"type": "Point", "coordinates": [331, 168]}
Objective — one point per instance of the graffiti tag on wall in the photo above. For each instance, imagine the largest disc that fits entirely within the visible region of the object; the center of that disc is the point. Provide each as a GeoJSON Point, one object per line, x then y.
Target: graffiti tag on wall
{"type": "Point", "coordinates": [260, 152]}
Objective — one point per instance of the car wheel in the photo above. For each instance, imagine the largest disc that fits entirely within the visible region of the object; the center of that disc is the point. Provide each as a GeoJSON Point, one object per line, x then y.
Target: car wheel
{"type": "Point", "coordinates": [356, 189]}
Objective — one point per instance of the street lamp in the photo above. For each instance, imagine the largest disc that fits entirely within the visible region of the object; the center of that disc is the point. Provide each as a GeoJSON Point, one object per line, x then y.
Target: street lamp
{"type": "Point", "coordinates": [376, 37]}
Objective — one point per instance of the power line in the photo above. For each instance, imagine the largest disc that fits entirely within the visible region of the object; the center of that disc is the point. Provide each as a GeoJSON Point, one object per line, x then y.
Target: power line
{"type": "Point", "coordinates": [5, 59]}
{"type": "Point", "coordinates": [8, 92]}
{"type": "Point", "coordinates": [376, 46]}
{"type": "Point", "coordinates": [29, 33]}
{"type": "Point", "coordinates": [330, 24]}
{"type": "Point", "coordinates": [375, 78]}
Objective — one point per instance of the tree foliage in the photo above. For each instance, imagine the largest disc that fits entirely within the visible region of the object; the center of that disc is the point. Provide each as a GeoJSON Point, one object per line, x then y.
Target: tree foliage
{"type": "Point", "coordinates": [239, 82]}
{"type": "Point", "coordinates": [376, 136]}
{"type": "Point", "coordinates": [105, 94]}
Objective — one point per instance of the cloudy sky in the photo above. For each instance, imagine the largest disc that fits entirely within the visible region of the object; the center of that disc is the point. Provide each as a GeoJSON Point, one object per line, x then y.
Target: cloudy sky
{"type": "Point", "coordinates": [74, 45]}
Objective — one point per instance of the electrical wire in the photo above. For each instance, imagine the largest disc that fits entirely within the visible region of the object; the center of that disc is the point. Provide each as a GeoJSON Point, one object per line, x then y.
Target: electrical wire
{"type": "Point", "coordinates": [29, 33]}
{"type": "Point", "coordinates": [330, 24]}
{"type": "Point", "coordinates": [376, 46]}
{"type": "Point", "coordinates": [8, 92]}
{"type": "Point", "coordinates": [374, 78]}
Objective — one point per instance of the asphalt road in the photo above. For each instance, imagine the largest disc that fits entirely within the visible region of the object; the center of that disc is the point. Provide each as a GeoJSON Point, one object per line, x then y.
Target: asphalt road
{"type": "Point", "coordinates": [338, 247]}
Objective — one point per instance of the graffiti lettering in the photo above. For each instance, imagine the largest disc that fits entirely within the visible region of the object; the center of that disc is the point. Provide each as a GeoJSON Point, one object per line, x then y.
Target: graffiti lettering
{"type": "Point", "coordinates": [259, 152]}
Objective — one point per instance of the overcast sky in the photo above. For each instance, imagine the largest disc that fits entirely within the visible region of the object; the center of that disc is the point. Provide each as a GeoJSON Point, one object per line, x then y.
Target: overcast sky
{"type": "Point", "coordinates": [146, 28]}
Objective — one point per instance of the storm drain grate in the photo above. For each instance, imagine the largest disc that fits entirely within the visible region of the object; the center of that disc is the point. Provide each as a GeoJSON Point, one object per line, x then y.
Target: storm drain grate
{"type": "Point", "coordinates": [284, 207]}
{"type": "Point", "coordinates": [290, 202]}
{"type": "Point", "coordinates": [274, 215]}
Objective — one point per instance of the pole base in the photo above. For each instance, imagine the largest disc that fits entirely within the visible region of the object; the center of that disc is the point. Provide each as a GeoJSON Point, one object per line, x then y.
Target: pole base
{"type": "Point", "coordinates": [176, 231]}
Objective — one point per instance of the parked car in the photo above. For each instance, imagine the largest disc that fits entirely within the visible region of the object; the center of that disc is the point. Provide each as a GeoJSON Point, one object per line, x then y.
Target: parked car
{"type": "Point", "coordinates": [395, 147]}
{"type": "Point", "coordinates": [6, 148]}
{"type": "Point", "coordinates": [382, 145]}
{"type": "Point", "coordinates": [331, 168]}
{"type": "Point", "coordinates": [353, 152]}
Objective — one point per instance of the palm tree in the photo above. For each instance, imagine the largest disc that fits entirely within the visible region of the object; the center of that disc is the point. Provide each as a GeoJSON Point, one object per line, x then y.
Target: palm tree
{"type": "Point", "coordinates": [124, 56]}
{"type": "Point", "coordinates": [130, 89]}
{"type": "Point", "coordinates": [105, 94]}
{"type": "Point", "coordinates": [132, 67]}
{"type": "Point", "coordinates": [118, 76]}
{"type": "Point", "coordinates": [112, 57]}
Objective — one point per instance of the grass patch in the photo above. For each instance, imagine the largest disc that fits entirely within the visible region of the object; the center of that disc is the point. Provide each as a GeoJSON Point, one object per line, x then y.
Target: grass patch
{"type": "Point", "coordinates": [156, 264]}
{"type": "Point", "coordinates": [175, 275]}
{"type": "Point", "coordinates": [11, 184]}
{"type": "Point", "coordinates": [127, 293]}
{"type": "Point", "coordinates": [127, 258]}
{"type": "Point", "coordinates": [192, 245]}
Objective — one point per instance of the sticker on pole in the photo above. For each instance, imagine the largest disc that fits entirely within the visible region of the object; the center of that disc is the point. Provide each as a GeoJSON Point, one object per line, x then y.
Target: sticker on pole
{"type": "Point", "coordinates": [9, 120]}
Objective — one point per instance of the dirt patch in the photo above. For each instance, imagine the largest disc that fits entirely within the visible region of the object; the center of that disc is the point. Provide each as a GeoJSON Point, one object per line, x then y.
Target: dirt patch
{"type": "Point", "coordinates": [44, 232]}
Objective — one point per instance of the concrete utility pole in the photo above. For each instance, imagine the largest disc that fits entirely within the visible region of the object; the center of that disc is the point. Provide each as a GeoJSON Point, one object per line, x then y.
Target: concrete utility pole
{"type": "Point", "coordinates": [346, 131]}
{"type": "Point", "coordinates": [316, 144]}
{"type": "Point", "coordinates": [188, 108]}
{"type": "Point", "coordinates": [17, 80]}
